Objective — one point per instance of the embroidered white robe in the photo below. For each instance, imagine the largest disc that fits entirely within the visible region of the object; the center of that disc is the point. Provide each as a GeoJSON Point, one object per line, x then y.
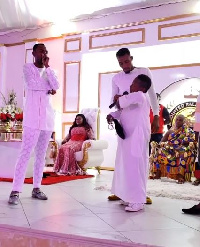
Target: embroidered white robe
{"type": "Point", "coordinates": [131, 166]}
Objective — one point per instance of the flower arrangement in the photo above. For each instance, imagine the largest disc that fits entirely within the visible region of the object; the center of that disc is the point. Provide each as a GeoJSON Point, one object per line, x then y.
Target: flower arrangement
{"type": "Point", "coordinates": [10, 112]}
{"type": "Point", "coordinates": [19, 116]}
{"type": "Point", "coordinates": [5, 117]}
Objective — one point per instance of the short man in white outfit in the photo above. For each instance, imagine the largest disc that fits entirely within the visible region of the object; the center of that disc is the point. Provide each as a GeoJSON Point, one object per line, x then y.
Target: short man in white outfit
{"type": "Point", "coordinates": [38, 122]}
{"type": "Point", "coordinates": [132, 157]}
{"type": "Point", "coordinates": [121, 83]}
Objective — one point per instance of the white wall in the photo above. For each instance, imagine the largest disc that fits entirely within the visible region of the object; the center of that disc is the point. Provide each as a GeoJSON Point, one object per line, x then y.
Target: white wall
{"type": "Point", "coordinates": [14, 71]}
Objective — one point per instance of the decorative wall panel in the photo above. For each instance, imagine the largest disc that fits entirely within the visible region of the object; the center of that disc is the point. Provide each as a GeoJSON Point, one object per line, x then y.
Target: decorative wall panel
{"type": "Point", "coordinates": [179, 30]}
{"type": "Point", "coordinates": [71, 87]}
{"type": "Point", "coordinates": [126, 37]}
{"type": "Point", "coordinates": [73, 45]}
{"type": "Point", "coordinates": [28, 56]}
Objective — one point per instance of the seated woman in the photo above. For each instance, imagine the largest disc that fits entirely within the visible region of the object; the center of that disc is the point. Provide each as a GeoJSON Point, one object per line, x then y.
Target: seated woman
{"type": "Point", "coordinates": [78, 133]}
{"type": "Point", "coordinates": [175, 156]}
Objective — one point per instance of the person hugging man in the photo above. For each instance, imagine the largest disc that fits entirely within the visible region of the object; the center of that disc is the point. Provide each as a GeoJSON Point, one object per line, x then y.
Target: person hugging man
{"type": "Point", "coordinates": [131, 166]}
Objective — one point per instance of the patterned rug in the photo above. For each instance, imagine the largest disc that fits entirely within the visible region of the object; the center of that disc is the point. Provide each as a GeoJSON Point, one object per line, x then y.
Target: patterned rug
{"type": "Point", "coordinates": [50, 178]}
{"type": "Point", "coordinates": [167, 188]}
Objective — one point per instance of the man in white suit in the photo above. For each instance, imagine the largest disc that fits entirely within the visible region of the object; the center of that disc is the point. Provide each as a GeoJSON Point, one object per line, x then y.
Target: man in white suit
{"type": "Point", "coordinates": [38, 122]}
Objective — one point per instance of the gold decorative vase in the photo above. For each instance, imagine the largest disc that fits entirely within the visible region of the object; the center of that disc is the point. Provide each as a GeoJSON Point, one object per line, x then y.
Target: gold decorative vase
{"type": "Point", "coordinates": [17, 125]}
{"type": "Point", "coordinates": [5, 126]}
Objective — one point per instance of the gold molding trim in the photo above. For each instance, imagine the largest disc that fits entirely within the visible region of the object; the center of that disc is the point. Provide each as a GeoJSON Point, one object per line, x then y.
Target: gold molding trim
{"type": "Point", "coordinates": [71, 40]}
{"type": "Point", "coordinates": [175, 66]}
{"type": "Point", "coordinates": [14, 44]}
{"type": "Point", "coordinates": [63, 128]}
{"type": "Point", "coordinates": [99, 84]}
{"type": "Point", "coordinates": [160, 27]}
{"type": "Point", "coordinates": [107, 168]}
{"type": "Point", "coordinates": [117, 33]}
{"type": "Point", "coordinates": [50, 38]}
{"type": "Point", "coordinates": [64, 35]}
{"type": "Point", "coordinates": [30, 40]}
{"type": "Point", "coordinates": [64, 86]}
{"type": "Point", "coordinates": [131, 24]}
{"type": "Point", "coordinates": [99, 87]}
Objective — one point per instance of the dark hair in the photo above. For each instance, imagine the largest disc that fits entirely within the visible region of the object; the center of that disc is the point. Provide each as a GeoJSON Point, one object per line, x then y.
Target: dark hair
{"type": "Point", "coordinates": [145, 81]}
{"type": "Point", "coordinates": [84, 123]}
{"type": "Point", "coordinates": [36, 46]}
{"type": "Point", "coordinates": [122, 52]}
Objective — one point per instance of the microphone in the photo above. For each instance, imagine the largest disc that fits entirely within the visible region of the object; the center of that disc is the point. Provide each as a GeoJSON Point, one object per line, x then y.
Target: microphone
{"type": "Point", "coordinates": [114, 103]}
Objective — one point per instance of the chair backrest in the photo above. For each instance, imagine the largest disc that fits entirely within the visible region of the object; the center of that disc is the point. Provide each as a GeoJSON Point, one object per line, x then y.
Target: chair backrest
{"type": "Point", "coordinates": [92, 116]}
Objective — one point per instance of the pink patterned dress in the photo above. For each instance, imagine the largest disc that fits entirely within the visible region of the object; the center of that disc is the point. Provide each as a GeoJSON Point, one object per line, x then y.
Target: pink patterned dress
{"type": "Point", "coordinates": [65, 161]}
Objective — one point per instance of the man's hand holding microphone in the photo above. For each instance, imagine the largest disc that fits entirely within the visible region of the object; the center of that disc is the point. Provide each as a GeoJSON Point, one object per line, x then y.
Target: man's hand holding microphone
{"type": "Point", "coordinates": [115, 100]}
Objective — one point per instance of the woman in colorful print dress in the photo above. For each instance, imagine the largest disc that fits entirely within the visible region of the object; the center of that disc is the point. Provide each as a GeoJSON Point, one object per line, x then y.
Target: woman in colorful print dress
{"type": "Point", "coordinates": [175, 156]}
{"type": "Point", "coordinates": [78, 133]}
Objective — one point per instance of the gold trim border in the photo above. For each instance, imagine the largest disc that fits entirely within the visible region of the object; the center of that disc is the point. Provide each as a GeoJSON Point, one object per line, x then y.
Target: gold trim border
{"type": "Point", "coordinates": [107, 168]}
{"type": "Point", "coordinates": [14, 44]}
{"type": "Point", "coordinates": [99, 84]}
{"type": "Point", "coordinates": [117, 33]}
{"type": "Point", "coordinates": [50, 38]}
{"type": "Point", "coordinates": [71, 40]}
{"type": "Point", "coordinates": [175, 66]}
{"type": "Point", "coordinates": [63, 128]}
{"type": "Point", "coordinates": [132, 24]}
{"type": "Point", "coordinates": [160, 27]}
{"type": "Point", "coordinates": [64, 86]}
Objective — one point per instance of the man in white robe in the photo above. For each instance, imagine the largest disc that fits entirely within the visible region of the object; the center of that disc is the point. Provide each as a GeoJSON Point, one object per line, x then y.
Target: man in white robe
{"type": "Point", "coordinates": [131, 166]}
{"type": "Point", "coordinates": [121, 83]}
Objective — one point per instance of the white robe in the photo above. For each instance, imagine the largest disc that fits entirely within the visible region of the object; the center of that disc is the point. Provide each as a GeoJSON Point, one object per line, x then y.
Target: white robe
{"type": "Point", "coordinates": [131, 166]}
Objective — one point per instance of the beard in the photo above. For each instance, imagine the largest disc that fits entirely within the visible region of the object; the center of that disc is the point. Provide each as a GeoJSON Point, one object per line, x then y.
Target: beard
{"type": "Point", "coordinates": [129, 70]}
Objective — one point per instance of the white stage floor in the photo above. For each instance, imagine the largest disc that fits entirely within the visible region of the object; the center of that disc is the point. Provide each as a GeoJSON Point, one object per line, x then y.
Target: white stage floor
{"type": "Point", "coordinates": [76, 208]}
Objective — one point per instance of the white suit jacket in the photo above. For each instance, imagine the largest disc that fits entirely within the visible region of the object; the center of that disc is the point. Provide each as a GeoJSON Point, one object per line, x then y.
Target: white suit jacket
{"type": "Point", "coordinates": [38, 112]}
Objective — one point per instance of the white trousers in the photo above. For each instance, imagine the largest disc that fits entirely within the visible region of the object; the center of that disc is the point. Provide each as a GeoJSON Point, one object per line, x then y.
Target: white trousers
{"type": "Point", "coordinates": [31, 139]}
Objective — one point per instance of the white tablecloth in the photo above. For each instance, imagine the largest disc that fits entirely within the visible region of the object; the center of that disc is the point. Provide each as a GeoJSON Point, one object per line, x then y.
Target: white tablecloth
{"type": "Point", "coordinates": [9, 152]}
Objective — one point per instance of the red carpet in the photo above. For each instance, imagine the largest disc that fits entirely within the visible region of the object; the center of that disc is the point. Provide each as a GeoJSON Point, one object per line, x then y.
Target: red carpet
{"type": "Point", "coordinates": [50, 178]}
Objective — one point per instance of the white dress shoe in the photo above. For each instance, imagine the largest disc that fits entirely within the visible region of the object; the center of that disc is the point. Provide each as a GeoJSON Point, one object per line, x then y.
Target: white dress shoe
{"type": "Point", "coordinates": [134, 207]}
